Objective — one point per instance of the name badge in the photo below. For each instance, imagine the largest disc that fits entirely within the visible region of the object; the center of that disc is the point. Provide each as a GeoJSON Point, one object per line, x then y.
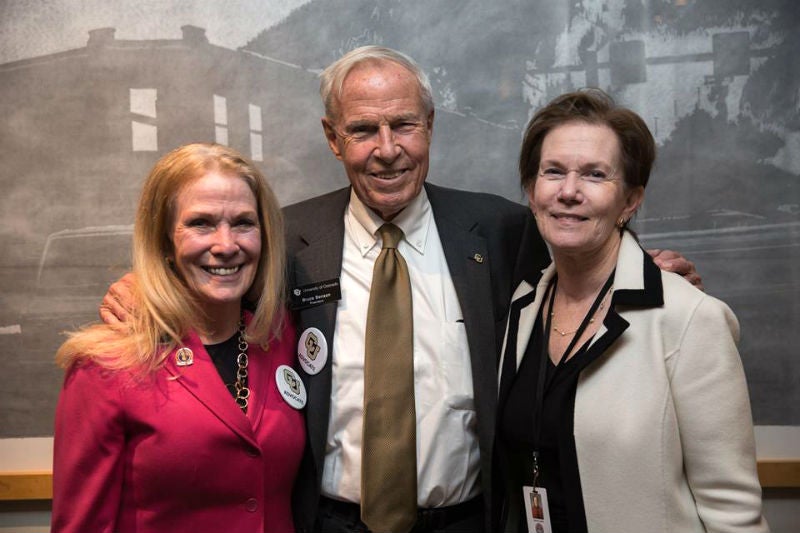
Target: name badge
{"type": "Point", "coordinates": [536, 510]}
{"type": "Point", "coordinates": [313, 294]}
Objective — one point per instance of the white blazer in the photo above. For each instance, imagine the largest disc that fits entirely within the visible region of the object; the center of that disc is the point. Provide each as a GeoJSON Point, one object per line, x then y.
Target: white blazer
{"type": "Point", "coordinates": [662, 423]}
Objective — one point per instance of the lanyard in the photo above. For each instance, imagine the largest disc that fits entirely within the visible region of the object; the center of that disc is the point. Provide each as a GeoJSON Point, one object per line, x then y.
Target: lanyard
{"type": "Point", "coordinates": [542, 382]}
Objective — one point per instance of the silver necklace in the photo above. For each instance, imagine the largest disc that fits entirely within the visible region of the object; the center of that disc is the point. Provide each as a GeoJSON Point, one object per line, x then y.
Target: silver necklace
{"type": "Point", "coordinates": [242, 391]}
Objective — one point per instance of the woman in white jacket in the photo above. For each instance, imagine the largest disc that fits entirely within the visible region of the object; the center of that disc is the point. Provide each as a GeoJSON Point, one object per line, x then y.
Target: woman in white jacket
{"type": "Point", "coordinates": [623, 403]}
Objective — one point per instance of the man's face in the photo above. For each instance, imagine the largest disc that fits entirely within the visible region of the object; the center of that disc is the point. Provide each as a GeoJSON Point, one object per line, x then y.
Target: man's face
{"type": "Point", "coordinates": [382, 134]}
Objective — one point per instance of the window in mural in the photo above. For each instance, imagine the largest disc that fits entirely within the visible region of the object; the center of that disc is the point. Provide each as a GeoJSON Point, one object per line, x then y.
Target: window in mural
{"type": "Point", "coordinates": [144, 132]}
{"type": "Point", "coordinates": [221, 119]}
{"type": "Point", "coordinates": [256, 139]}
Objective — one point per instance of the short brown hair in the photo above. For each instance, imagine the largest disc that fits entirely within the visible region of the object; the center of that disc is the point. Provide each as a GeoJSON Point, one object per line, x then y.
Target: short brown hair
{"type": "Point", "coordinates": [592, 106]}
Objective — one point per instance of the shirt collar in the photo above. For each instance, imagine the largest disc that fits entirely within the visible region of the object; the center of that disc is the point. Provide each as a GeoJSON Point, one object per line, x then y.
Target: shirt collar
{"type": "Point", "coordinates": [414, 220]}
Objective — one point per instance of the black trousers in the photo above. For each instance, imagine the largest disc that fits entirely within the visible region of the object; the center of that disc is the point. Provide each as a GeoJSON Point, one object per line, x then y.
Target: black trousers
{"type": "Point", "coordinates": [343, 517]}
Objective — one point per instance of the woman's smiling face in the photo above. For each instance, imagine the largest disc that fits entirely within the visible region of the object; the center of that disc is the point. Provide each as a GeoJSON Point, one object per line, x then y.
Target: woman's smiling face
{"type": "Point", "coordinates": [217, 239]}
{"type": "Point", "coordinates": [579, 195]}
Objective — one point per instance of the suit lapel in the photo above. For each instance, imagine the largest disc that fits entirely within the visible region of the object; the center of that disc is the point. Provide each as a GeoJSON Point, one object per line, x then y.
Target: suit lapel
{"type": "Point", "coordinates": [468, 260]}
{"type": "Point", "coordinates": [202, 381]}
{"type": "Point", "coordinates": [319, 258]}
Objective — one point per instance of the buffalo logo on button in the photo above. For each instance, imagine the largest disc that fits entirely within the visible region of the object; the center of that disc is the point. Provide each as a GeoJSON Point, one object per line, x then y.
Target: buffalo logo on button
{"type": "Point", "coordinates": [290, 386]}
{"type": "Point", "coordinates": [312, 351]}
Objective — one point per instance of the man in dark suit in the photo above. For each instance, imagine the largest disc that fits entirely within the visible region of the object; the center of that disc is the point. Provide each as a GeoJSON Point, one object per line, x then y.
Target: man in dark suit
{"type": "Point", "coordinates": [461, 249]}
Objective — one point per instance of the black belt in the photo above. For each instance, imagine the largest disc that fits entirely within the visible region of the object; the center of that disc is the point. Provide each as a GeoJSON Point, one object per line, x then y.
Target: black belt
{"type": "Point", "coordinates": [431, 518]}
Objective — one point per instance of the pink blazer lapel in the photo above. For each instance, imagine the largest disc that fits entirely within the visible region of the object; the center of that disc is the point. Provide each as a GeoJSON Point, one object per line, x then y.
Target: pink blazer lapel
{"type": "Point", "coordinates": [202, 381]}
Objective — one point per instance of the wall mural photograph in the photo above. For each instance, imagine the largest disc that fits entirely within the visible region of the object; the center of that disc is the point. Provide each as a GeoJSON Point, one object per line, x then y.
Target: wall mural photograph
{"type": "Point", "coordinates": [93, 93]}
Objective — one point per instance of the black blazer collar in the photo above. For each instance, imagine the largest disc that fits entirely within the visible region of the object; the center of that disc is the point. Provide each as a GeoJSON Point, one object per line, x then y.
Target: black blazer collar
{"type": "Point", "coordinates": [637, 281]}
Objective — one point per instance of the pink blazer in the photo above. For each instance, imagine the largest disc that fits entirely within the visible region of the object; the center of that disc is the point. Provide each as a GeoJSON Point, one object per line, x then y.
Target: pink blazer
{"type": "Point", "coordinates": [173, 452]}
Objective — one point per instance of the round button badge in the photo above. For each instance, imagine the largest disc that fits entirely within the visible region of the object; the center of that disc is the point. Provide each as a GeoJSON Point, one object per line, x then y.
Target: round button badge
{"type": "Point", "coordinates": [290, 386]}
{"type": "Point", "coordinates": [312, 351]}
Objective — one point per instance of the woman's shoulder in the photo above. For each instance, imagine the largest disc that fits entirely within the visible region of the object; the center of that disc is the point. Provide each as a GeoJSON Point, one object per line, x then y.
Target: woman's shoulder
{"type": "Point", "coordinates": [105, 356]}
{"type": "Point", "coordinates": [678, 291]}
{"type": "Point", "coordinates": [108, 370]}
{"type": "Point", "coordinates": [96, 342]}
{"type": "Point", "coordinates": [91, 380]}
{"type": "Point", "coordinates": [688, 304]}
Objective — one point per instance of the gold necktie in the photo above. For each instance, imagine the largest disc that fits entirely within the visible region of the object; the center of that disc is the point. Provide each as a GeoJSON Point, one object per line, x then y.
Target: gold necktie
{"type": "Point", "coordinates": [388, 452]}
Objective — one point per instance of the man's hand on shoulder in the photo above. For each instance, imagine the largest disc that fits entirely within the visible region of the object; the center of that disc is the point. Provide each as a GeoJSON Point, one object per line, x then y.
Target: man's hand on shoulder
{"type": "Point", "coordinates": [674, 262]}
{"type": "Point", "coordinates": [119, 301]}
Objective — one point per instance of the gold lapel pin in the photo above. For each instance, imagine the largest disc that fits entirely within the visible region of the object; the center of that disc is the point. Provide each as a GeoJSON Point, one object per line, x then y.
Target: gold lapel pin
{"type": "Point", "coordinates": [184, 357]}
{"type": "Point", "coordinates": [478, 258]}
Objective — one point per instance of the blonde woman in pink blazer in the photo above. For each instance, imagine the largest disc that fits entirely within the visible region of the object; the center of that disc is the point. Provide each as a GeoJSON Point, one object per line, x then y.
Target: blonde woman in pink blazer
{"type": "Point", "coordinates": [173, 421]}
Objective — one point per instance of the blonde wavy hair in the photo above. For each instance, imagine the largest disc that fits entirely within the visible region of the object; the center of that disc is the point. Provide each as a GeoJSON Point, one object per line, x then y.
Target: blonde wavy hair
{"type": "Point", "coordinates": [165, 309]}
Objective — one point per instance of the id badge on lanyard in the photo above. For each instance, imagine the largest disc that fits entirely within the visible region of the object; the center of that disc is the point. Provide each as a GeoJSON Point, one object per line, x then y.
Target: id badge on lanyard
{"type": "Point", "coordinates": [537, 511]}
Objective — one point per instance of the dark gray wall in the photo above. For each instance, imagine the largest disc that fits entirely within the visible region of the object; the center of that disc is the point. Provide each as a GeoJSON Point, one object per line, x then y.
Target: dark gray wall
{"type": "Point", "coordinates": [717, 81]}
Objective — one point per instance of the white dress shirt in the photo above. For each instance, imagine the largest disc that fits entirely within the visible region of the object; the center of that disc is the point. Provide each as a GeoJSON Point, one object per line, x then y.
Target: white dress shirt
{"type": "Point", "coordinates": [448, 459]}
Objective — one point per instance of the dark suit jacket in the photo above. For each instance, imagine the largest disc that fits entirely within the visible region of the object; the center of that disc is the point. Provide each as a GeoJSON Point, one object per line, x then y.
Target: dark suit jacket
{"type": "Point", "coordinates": [469, 224]}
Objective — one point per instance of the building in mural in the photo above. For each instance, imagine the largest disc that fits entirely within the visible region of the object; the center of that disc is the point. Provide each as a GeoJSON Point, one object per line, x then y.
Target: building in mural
{"type": "Point", "coordinates": [84, 126]}
{"type": "Point", "coordinates": [81, 130]}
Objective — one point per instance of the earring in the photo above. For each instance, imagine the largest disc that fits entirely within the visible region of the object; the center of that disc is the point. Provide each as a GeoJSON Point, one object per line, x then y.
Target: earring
{"type": "Point", "coordinates": [621, 222]}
